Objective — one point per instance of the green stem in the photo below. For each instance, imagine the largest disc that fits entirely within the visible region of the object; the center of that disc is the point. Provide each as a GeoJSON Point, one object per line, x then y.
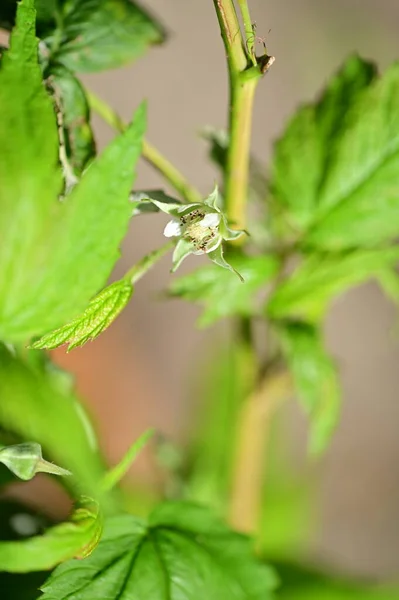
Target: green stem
{"type": "Point", "coordinates": [248, 28]}
{"type": "Point", "coordinates": [150, 154]}
{"type": "Point", "coordinates": [145, 264]}
{"type": "Point", "coordinates": [243, 78]}
{"type": "Point", "coordinates": [237, 167]}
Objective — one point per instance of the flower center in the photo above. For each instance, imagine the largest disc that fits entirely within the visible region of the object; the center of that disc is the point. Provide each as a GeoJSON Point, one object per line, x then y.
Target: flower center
{"type": "Point", "coordinates": [201, 236]}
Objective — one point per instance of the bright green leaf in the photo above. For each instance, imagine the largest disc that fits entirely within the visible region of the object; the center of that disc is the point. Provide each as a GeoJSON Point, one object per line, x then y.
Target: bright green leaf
{"type": "Point", "coordinates": [103, 34]}
{"type": "Point", "coordinates": [55, 256]}
{"type": "Point", "coordinates": [315, 379]}
{"type": "Point", "coordinates": [101, 312]}
{"type": "Point", "coordinates": [222, 294]}
{"type": "Point", "coordinates": [182, 552]}
{"type": "Point", "coordinates": [37, 404]}
{"type": "Point", "coordinates": [25, 461]}
{"type": "Point", "coordinates": [306, 153]}
{"type": "Point", "coordinates": [307, 293]}
{"type": "Point", "coordinates": [72, 104]}
{"type": "Point", "coordinates": [75, 538]}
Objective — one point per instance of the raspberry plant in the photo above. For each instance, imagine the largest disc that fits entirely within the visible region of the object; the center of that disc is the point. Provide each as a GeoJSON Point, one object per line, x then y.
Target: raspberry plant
{"type": "Point", "coordinates": [327, 220]}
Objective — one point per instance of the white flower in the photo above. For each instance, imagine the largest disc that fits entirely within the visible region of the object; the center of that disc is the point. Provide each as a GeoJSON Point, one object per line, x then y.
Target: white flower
{"type": "Point", "coordinates": [201, 227]}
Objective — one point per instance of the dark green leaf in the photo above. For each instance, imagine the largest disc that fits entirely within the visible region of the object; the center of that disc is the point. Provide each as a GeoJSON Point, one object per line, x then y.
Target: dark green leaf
{"type": "Point", "coordinates": [75, 538]}
{"type": "Point", "coordinates": [103, 34]}
{"type": "Point", "coordinates": [306, 152]}
{"type": "Point", "coordinates": [307, 293]}
{"type": "Point", "coordinates": [315, 379]}
{"type": "Point", "coordinates": [74, 109]}
{"type": "Point", "coordinates": [38, 405]}
{"type": "Point", "coordinates": [182, 552]}
{"type": "Point", "coordinates": [101, 312]}
{"type": "Point", "coordinates": [223, 294]}
{"type": "Point", "coordinates": [55, 256]}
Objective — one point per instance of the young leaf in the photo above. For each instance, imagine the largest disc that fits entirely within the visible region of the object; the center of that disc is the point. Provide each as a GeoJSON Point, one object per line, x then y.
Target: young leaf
{"type": "Point", "coordinates": [182, 552]}
{"type": "Point", "coordinates": [224, 295]}
{"type": "Point", "coordinates": [101, 312]}
{"type": "Point", "coordinates": [37, 404]}
{"type": "Point", "coordinates": [25, 461]}
{"type": "Point", "coordinates": [304, 155]}
{"type": "Point", "coordinates": [55, 256]}
{"type": "Point", "coordinates": [75, 538]}
{"type": "Point", "coordinates": [307, 293]}
{"type": "Point", "coordinates": [103, 34]}
{"type": "Point", "coordinates": [315, 379]}
{"type": "Point", "coordinates": [72, 105]}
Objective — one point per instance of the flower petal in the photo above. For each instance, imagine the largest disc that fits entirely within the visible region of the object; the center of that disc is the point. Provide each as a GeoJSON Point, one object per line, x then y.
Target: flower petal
{"type": "Point", "coordinates": [182, 250]}
{"type": "Point", "coordinates": [217, 257]}
{"type": "Point", "coordinates": [172, 229]}
{"type": "Point", "coordinates": [211, 219]}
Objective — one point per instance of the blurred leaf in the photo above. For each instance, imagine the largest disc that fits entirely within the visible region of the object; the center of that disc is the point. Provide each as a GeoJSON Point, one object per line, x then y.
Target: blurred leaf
{"type": "Point", "coordinates": [25, 461]}
{"type": "Point", "coordinates": [181, 552]}
{"type": "Point", "coordinates": [101, 312]}
{"type": "Point", "coordinates": [36, 405]}
{"type": "Point", "coordinates": [308, 291]}
{"type": "Point", "coordinates": [306, 153]}
{"type": "Point", "coordinates": [72, 102]}
{"type": "Point", "coordinates": [302, 583]}
{"type": "Point", "coordinates": [54, 255]}
{"type": "Point", "coordinates": [103, 34]}
{"type": "Point", "coordinates": [222, 294]}
{"type": "Point", "coordinates": [75, 538]}
{"type": "Point", "coordinates": [225, 379]}
{"type": "Point", "coordinates": [315, 379]}
{"type": "Point", "coordinates": [19, 522]}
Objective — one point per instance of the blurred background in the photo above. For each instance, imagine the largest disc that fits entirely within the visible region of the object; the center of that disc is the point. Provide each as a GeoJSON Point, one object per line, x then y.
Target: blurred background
{"type": "Point", "coordinates": [138, 373]}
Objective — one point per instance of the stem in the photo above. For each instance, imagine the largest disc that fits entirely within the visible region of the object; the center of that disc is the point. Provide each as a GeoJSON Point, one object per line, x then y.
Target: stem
{"type": "Point", "coordinates": [150, 154]}
{"type": "Point", "coordinates": [253, 424]}
{"type": "Point", "coordinates": [231, 35]}
{"type": "Point", "coordinates": [237, 167]}
{"type": "Point", "coordinates": [242, 89]}
{"type": "Point", "coordinates": [248, 28]}
{"type": "Point", "coordinates": [145, 264]}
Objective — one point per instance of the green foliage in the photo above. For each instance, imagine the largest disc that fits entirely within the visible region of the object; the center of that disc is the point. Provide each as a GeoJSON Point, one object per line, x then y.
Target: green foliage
{"type": "Point", "coordinates": [38, 404]}
{"type": "Point", "coordinates": [223, 295]}
{"type": "Point", "coordinates": [320, 278]}
{"type": "Point", "coordinates": [315, 379]}
{"type": "Point", "coordinates": [91, 35]}
{"type": "Point", "coordinates": [152, 560]}
{"type": "Point", "coordinates": [25, 461]}
{"type": "Point", "coordinates": [75, 538]}
{"type": "Point", "coordinates": [67, 249]}
{"type": "Point", "coordinates": [101, 312]}
{"type": "Point", "coordinates": [72, 104]}
{"type": "Point", "coordinates": [341, 190]}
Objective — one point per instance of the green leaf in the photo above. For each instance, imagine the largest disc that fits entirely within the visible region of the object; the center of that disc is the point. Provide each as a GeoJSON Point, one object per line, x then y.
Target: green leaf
{"type": "Point", "coordinates": [103, 34]}
{"type": "Point", "coordinates": [55, 256]}
{"type": "Point", "coordinates": [307, 151]}
{"type": "Point", "coordinates": [224, 295]}
{"type": "Point", "coordinates": [315, 379]}
{"type": "Point", "coordinates": [182, 552]}
{"type": "Point", "coordinates": [217, 256]}
{"type": "Point", "coordinates": [307, 293]}
{"type": "Point", "coordinates": [75, 538]}
{"type": "Point", "coordinates": [38, 404]}
{"type": "Point", "coordinates": [72, 103]}
{"type": "Point", "coordinates": [25, 461]}
{"type": "Point", "coordinates": [101, 312]}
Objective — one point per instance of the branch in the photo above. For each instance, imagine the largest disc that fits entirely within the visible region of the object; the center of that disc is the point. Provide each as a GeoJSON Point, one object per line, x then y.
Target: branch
{"type": "Point", "coordinates": [150, 154]}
